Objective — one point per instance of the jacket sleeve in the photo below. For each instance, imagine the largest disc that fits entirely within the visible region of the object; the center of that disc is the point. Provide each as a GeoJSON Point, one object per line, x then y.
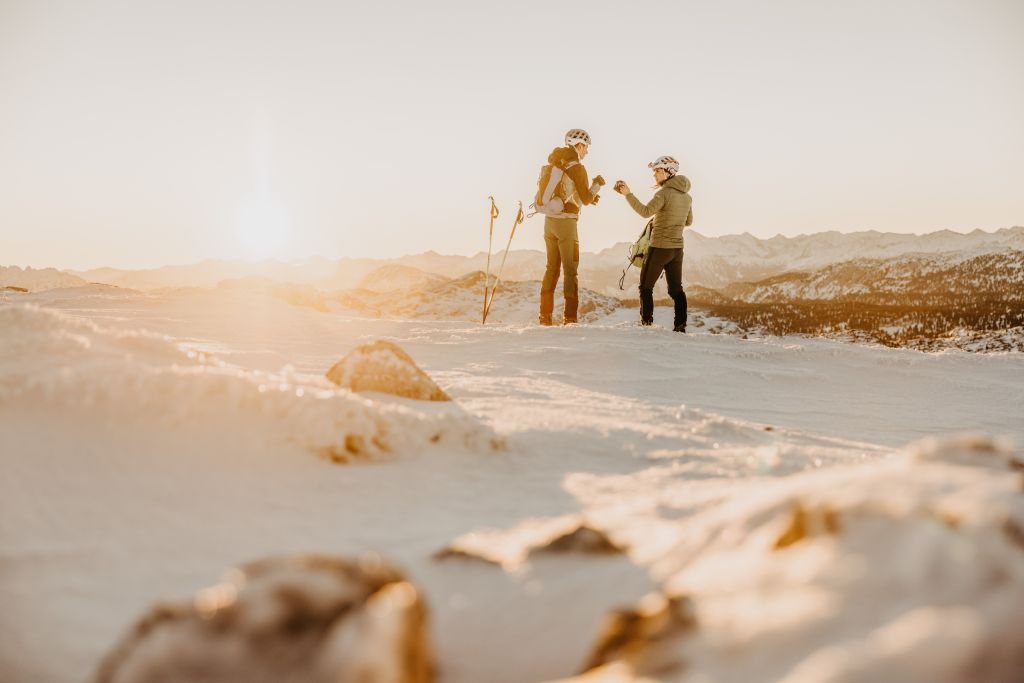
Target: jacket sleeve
{"type": "Point", "coordinates": [583, 188]}
{"type": "Point", "coordinates": [689, 216]}
{"type": "Point", "coordinates": [649, 209]}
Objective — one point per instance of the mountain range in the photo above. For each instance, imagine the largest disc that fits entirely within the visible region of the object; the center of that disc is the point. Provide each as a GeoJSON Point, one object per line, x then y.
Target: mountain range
{"type": "Point", "coordinates": [713, 262]}
{"type": "Point", "coordinates": [912, 279]}
{"type": "Point", "coordinates": [932, 291]}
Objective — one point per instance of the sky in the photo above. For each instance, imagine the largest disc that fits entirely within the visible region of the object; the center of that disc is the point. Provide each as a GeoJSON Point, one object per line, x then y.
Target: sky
{"type": "Point", "coordinates": [136, 133]}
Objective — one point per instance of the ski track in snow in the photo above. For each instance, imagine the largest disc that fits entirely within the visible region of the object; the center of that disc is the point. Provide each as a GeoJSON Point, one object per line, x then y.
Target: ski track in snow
{"type": "Point", "coordinates": [636, 429]}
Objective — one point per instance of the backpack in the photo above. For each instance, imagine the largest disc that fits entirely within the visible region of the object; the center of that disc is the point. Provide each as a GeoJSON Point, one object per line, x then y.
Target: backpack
{"type": "Point", "coordinates": [638, 251]}
{"type": "Point", "coordinates": [554, 187]}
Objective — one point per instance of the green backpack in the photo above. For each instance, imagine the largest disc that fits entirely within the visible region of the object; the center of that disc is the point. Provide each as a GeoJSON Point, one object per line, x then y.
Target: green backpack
{"type": "Point", "coordinates": [638, 251]}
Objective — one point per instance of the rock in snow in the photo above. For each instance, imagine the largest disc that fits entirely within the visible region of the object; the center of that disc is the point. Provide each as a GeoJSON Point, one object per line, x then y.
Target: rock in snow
{"type": "Point", "coordinates": [302, 619]}
{"type": "Point", "coordinates": [583, 539]}
{"type": "Point", "coordinates": [566, 535]}
{"type": "Point", "coordinates": [385, 368]}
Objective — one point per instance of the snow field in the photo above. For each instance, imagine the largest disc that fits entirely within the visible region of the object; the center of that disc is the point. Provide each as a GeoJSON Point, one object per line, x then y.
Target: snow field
{"type": "Point", "coordinates": [755, 482]}
{"type": "Point", "coordinates": [62, 363]}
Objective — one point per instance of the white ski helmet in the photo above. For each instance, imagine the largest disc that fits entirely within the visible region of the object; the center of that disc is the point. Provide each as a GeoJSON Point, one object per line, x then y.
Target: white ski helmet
{"type": "Point", "coordinates": [669, 164]}
{"type": "Point", "coordinates": [576, 136]}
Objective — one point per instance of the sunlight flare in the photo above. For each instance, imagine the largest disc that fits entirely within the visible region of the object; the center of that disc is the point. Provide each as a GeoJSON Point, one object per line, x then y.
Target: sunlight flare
{"type": "Point", "coordinates": [261, 225]}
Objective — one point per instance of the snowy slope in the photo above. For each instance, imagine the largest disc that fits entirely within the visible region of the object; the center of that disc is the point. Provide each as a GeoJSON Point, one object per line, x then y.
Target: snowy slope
{"type": "Point", "coordinates": [910, 570]}
{"type": "Point", "coordinates": [927, 302]}
{"type": "Point", "coordinates": [139, 465]}
{"type": "Point", "coordinates": [60, 363]}
{"type": "Point", "coordinates": [461, 299]}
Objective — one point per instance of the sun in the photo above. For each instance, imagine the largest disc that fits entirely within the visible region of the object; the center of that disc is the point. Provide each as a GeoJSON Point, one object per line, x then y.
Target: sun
{"type": "Point", "coordinates": [261, 225]}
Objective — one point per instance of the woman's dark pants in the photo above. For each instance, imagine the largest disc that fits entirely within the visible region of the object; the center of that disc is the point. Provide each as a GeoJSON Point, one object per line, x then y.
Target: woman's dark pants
{"type": "Point", "coordinates": [670, 261]}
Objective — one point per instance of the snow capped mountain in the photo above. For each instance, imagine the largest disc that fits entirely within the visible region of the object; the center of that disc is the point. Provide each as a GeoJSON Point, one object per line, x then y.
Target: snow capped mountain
{"type": "Point", "coordinates": [927, 302]}
{"type": "Point", "coordinates": [717, 262]}
{"type": "Point", "coordinates": [806, 252]}
{"type": "Point", "coordinates": [904, 280]}
{"type": "Point", "coordinates": [36, 280]}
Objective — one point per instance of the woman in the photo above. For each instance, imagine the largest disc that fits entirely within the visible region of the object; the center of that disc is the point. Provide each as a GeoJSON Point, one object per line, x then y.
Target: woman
{"type": "Point", "coordinates": [672, 209]}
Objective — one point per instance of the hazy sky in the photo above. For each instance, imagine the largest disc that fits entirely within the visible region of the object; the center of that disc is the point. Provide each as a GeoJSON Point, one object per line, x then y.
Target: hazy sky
{"type": "Point", "coordinates": [139, 133]}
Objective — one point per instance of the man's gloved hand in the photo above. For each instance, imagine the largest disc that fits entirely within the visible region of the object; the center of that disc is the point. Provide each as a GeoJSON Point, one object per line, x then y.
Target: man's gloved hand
{"type": "Point", "coordinates": [599, 180]}
{"type": "Point", "coordinates": [597, 198]}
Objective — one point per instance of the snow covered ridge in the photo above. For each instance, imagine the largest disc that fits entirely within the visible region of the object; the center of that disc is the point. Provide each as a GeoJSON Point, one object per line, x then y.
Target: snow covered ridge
{"type": "Point", "coordinates": [36, 279]}
{"type": "Point", "coordinates": [932, 302]}
{"type": "Point", "coordinates": [920, 280]}
{"type": "Point", "coordinates": [717, 261]}
{"type": "Point", "coordinates": [910, 571]}
{"type": "Point", "coordinates": [56, 361]}
{"type": "Point", "coordinates": [462, 298]}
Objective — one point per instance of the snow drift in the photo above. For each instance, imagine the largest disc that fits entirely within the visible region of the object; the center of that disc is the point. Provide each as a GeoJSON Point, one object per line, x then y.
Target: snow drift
{"type": "Point", "coordinates": [751, 483]}
{"type": "Point", "coordinates": [910, 570]}
{"type": "Point", "coordinates": [55, 362]}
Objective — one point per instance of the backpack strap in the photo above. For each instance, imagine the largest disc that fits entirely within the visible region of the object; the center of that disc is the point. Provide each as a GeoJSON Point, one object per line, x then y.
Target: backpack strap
{"type": "Point", "coordinates": [569, 164]}
{"type": "Point", "coordinates": [554, 178]}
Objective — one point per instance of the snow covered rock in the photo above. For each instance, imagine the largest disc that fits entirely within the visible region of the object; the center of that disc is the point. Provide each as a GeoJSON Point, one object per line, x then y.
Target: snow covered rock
{"type": "Point", "coordinates": [910, 570]}
{"type": "Point", "coordinates": [533, 539]}
{"type": "Point", "coordinates": [627, 634]}
{"type": "Point", "coordinates": [970, 450]}
{"type": "Point", "coordinates": [584, 539]}
{"type": "Point", "coordinates": [385, 368]}
{"type": "Point", "coordinates": [304, 619]}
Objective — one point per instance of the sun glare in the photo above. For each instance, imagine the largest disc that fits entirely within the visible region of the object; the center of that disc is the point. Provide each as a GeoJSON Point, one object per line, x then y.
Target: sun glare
{"type": "Point", "coordinates": [261, 225]}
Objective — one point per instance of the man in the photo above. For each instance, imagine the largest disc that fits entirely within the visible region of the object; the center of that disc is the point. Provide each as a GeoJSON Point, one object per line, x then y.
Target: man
{"type": "Point", "coordinates": [561, 238]}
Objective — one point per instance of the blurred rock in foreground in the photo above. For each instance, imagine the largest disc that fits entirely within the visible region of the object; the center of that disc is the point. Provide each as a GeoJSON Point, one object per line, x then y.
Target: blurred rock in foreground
{"type": "Point", "coordinates": [302, 619]}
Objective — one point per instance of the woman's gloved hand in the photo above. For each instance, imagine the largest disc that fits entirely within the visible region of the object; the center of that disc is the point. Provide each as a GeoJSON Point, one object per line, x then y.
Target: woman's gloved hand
{"type": "Point", "coordinates": [621, 187]}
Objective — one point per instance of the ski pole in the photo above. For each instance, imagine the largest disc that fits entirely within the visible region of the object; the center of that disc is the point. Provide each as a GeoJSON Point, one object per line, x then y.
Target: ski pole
{"type": "Point", "coordinates": [497, 278]}
{"type": "Point", "coordinates": [490, 242]}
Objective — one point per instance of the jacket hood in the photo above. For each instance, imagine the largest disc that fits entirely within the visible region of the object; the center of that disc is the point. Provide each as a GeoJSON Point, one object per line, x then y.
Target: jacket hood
{"type": "Point", "coordinates": [563, 155]}
{"type": "Point", "coordinates": [679, 183]}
